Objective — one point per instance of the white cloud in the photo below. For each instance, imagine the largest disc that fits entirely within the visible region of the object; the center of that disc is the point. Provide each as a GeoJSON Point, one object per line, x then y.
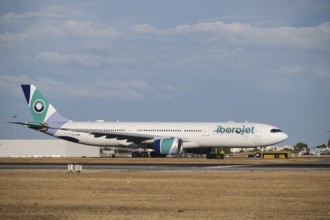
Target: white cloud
{"type": "Point", "coordinates": [119, 85]}
{"type": "Point", "coordinates": [29, 15]}
{"type": "Point", "coordinates": [97, 88]}
{"type": "Point", "coordinates": [101, 88]}
{"type": "Point", "coordinates": [89, 29]}
{"type": "Point", "coordinates": [10, 83]}
{"type": "Point", "coordinates": [38, 25]}
{"type": "Point", "coordinates": [96, 47]}
{"type": "Point", "coordinates": [294, 69]}
{"type": "Point", "coordinates": [317, 37]}
{"type": "Point", "coordinates": [90, 61]}
{"type": "Point", "coordinates": [143, 28]}
{"type": "Point", "coordinates": [320, 71]}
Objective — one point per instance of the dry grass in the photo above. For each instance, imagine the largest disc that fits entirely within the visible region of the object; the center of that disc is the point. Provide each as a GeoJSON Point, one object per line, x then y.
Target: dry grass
{"type": "Point", "coordinates": [165, 195]}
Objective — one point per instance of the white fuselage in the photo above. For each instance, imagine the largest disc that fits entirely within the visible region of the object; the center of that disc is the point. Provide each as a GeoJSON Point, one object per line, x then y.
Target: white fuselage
{"type": "Point", "coordinates": [193, 135]}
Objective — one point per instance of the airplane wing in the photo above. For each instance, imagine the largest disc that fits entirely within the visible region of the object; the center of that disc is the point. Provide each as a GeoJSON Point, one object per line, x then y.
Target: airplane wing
{"type": "Point", "coordinates": [130, 137]}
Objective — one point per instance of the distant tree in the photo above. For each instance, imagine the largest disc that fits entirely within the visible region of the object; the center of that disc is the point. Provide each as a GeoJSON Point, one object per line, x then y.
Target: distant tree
{"type": "Point", "coordinates": [226, 150]}
{"type": "Point", "coordinates": [300, 146]}
{"type": "Point", "coordinates": [322, 146]}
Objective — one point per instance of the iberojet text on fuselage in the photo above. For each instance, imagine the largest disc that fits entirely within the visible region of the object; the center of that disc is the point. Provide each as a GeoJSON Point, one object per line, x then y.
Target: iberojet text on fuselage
{"type": "Point", "coordinates": [231, 130]}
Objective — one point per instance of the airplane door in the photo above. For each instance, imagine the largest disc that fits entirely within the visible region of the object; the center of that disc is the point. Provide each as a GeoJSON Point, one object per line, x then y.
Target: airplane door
{"type": "Point", "coordinates": [130, 129]}
{"type": "Point", "coordinates": [258, 132]}
{"type": "Point", "coordinates": [258, 136]}
{"type": "Point", "coordinates": [206, 132]}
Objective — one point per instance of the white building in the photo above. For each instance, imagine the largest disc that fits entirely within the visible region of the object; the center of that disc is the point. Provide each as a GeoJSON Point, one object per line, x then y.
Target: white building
{"type": "Point", "coordinates": [46, 148]}
{"type": "Point", "coordinates": [237, 149]}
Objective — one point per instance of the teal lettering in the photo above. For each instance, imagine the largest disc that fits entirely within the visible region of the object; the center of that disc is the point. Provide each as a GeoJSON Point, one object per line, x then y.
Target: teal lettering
{"type": "Point", "coordinates": [222, 130]}
{"type": "Point", "coordinates": [243, 129]}
{"type": "Point", "coordinates": [231, 130]}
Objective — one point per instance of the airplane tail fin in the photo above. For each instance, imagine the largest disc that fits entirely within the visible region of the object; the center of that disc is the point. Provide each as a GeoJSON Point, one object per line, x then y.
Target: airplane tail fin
{"type": "Point", "coordinates": [42, 111]}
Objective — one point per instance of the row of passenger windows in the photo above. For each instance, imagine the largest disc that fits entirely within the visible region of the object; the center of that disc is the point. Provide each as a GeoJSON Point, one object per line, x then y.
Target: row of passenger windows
{"type": "Point", "coordinates": [166, 130]}
{"type": "Point", "coordinates": [192, 130]}
{"type": "Point", "coordinates": [158, 130]}
{"type": "Point", "coordinates": [139, 130]}
{"type": "Point", "coordinates": [106, 130]}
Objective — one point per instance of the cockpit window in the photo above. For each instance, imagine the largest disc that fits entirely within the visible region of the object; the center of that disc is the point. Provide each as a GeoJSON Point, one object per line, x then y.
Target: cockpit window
{"type": "Point", "coordinates": [275, 130]}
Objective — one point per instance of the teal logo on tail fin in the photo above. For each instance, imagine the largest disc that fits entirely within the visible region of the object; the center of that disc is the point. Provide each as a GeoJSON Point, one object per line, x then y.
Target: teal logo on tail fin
{"type": "Point", "coordinates": [40, 108]}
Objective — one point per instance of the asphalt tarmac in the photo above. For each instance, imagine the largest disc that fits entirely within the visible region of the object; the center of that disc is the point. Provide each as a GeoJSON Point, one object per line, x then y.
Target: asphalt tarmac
{"type": "Point", "coordinates": [88, 167]}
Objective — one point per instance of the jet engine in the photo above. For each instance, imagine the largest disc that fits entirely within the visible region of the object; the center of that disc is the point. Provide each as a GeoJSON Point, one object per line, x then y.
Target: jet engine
{"type": "Point", "coordinates": [168, 146]}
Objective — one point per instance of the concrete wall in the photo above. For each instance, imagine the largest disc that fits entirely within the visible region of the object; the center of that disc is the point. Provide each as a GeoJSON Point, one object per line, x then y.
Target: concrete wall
{"type": "Point", "coordinates": [45, 148]}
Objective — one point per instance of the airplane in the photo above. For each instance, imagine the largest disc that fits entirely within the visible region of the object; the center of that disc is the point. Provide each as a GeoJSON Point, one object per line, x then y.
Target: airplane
{"type": "Point", "coordinates": [165, 138]}
{"type": "Point", "coordinates": [320, 151]}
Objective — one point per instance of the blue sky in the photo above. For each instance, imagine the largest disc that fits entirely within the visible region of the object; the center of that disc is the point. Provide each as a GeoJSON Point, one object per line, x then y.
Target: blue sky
{"type": "Point", "coordinates": [261, 61]}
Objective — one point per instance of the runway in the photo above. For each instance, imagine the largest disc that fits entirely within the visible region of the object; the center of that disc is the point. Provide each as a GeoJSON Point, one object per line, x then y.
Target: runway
{"type": "Point", "coordinates": [321, 165]}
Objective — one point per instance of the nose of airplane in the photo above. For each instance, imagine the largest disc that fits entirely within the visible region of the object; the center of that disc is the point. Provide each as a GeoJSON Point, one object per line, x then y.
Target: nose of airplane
{"type": "Point", "coordinates": [284, 136]}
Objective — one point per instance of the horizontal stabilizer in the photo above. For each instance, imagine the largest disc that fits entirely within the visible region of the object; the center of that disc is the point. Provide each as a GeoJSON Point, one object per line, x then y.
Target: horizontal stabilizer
{"type": "Point", "coordinates": [33, 125]}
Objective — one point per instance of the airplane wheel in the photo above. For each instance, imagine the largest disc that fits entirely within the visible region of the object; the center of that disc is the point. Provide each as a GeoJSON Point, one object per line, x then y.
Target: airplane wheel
{"type": "Point", "coordinates": [258, 154]}
{"type": "Point", "coordinates": [136, 154]}
{"type": "Point", "coordinates": [144, 154]}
